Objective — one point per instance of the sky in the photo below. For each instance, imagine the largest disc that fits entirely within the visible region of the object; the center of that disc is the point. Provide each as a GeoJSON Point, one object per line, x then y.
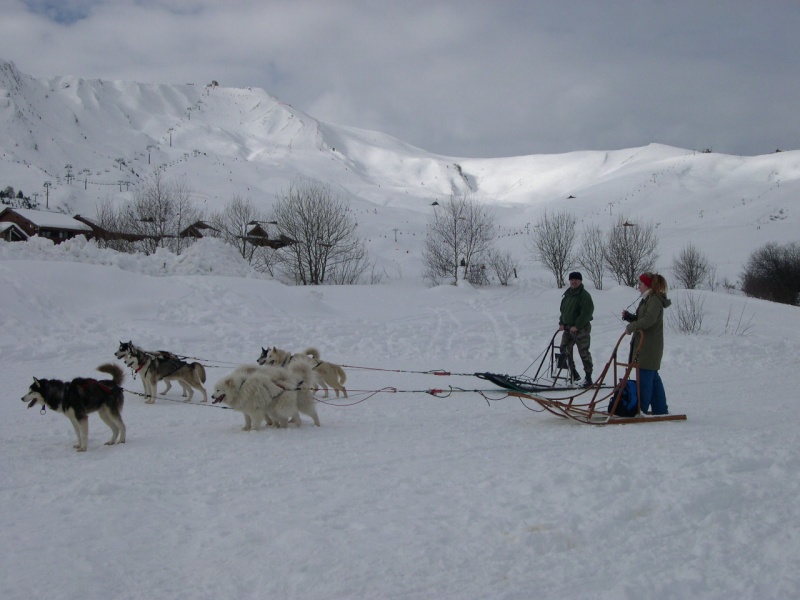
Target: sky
{"type": "Point", "coordinates": [458, 78]}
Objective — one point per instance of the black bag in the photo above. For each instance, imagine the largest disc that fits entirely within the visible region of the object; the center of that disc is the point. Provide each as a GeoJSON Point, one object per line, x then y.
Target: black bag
{"type": "Point", "coordinates": [628, 405]}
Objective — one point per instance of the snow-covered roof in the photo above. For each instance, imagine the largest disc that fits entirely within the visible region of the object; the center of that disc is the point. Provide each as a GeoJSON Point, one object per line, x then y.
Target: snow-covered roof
{"type": "Point", "coordinates": [55, 220]}
{"type": "Point", "coordinates": [6, 225]}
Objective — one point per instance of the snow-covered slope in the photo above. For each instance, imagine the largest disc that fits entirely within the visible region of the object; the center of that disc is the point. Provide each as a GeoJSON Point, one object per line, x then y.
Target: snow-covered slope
{"type": "Point", "coordinates": [109, 136]}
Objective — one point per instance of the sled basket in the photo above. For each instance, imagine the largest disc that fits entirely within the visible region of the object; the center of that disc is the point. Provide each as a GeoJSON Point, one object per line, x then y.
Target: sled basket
{"type": "Point", "coordinates": [554, 374]}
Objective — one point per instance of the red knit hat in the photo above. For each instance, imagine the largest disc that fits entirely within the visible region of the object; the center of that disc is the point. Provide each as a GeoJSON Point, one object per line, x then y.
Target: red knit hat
{"type": "Point", "coordinates": [646, 279]}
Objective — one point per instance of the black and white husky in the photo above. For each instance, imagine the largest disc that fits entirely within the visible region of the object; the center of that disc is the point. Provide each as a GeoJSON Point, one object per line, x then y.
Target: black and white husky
{"type": "Point", "coordinates": [81, 396]}
{"type": "Point", "coordinates": [162, 365]}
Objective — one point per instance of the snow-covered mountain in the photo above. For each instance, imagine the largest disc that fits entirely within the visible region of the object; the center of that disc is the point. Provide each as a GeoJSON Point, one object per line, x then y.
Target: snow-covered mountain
{"type": "Point", "coordinates": [94, 140]}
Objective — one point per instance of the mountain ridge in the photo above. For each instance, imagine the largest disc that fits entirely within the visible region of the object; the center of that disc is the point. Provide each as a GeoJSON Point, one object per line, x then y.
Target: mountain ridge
{"type": "Point", "coordinates": [97, 140]}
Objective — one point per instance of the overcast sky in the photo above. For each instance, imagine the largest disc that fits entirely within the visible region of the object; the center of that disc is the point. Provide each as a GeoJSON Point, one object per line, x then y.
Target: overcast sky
{"type": "Point", "coordinates": [469, 78]}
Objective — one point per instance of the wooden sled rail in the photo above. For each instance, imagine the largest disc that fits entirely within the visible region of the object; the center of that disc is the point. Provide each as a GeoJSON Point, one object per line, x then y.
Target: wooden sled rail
{"type": "Point", "coordinates": [589, 406]}
{"type": "Point", "coordinates": [587, 415]}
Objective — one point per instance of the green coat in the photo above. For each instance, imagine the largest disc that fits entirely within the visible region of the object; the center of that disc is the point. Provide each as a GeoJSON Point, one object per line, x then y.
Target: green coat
{"type": "Point", "coordinates": [577, 308]}
{"type": "Point", "coordinates": [650, 320]}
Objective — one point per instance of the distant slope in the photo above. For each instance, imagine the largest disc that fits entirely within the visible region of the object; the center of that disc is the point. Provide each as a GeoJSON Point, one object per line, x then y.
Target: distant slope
{"type": "Point", "coordinates": [95, 141]}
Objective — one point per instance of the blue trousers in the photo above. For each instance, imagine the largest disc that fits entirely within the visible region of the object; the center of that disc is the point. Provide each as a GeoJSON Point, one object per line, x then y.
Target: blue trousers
{"type": "Point", "coordinates": [652, 394]}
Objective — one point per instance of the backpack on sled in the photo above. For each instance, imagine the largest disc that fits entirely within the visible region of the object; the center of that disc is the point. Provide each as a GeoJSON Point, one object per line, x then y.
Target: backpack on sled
{"type": "Point", "coordinates": [625, 399]}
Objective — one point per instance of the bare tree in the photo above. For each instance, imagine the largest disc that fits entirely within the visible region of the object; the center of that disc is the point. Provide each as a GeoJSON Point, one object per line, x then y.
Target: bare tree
{"type": "Point", "coordinates": [687, 317]}
{"type": "Point", "coordinates": [460, 234]}
{"type": "Point", "coordinates": [711, 279]}
{"type": "Point", "coordinates": [149, 213]}
{"type": "Point", "coordinates": [265, 260]}
{"type": "Point", "coordinates": [631, 250]}
{"type": "Point", "coordinates": [690, 267]}
{"type": "Point", "coordinates": [110, 219]}
{"type": "Point", "coordinates": [185, 213]}
{"type": "Point", "coordinates": [235, 222]}
{"type": "Point", "coordinates": [592, 254]}
{"type": "Point", "coordinates": [773, 273]}
{"type": "Point", "coordinates": [552, 242]}
{"type": "Point", "coordinates": [326, 248]}
{"type": "Point", "coordinates": [504, 265]}
{"type": "Point", "coordinates": [160, 210]}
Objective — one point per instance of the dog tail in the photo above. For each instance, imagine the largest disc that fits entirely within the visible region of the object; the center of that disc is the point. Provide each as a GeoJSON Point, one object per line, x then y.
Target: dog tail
{"type": "Point", "coordinates": [312, 352]}
{"type": "Point", "coordinates": [200, 370]}
{"type": "Point", "coordinates": [116, 372]}
{"type": "Point", "coordinates": [340, 372]}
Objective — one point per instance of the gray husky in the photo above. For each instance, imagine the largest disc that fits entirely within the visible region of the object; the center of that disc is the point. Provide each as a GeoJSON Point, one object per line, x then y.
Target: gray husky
{"type": "Point", "coordinates": [81, 396]}
{"type": "Point", "coordinates": [161, 365]}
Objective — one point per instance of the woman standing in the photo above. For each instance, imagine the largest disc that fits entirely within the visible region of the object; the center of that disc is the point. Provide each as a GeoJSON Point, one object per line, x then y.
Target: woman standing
{"type": "Point", "coordinates": [649, 319]}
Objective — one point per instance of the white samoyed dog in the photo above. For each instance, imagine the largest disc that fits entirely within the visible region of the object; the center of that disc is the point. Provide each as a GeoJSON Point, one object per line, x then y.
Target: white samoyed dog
{"type": "Point", "coordinates": [272, 394]}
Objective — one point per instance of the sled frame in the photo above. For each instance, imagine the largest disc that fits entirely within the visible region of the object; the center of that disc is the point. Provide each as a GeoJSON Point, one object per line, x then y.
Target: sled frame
{"type": "Point", "coordinates": [585, 406]}
{"type": "Point", "coordinates": [547, 377]}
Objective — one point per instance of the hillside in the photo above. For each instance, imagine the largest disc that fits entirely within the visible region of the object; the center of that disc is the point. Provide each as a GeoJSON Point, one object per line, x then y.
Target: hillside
{"type": "Point", "coordinates": [110, 135]}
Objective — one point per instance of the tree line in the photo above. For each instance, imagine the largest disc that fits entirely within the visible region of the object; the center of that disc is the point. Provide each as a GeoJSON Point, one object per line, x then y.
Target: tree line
{"type": "Point", "coordinates": [323, 245]}
{"type": "Point", "coordinates": [319, 232]}
{"type": "Point", "coordinates": [459, 237]}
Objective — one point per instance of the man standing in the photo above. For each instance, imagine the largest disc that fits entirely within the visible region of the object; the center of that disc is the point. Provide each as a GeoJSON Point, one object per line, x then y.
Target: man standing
{"type": "Point", "coordinates": [576, 313]}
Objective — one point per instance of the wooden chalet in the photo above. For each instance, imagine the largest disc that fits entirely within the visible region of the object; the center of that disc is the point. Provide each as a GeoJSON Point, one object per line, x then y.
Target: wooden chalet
{"type": "Point", "coordinates": [54, 226]}
{"type": "Point", "coordinates": [197, 230]}
{"type": "Point", "coordinates": [11, 232]}
{"type": "Point", "coordinates": [102, 233]}
{"type": "Point", "coordinates": [258, 236]}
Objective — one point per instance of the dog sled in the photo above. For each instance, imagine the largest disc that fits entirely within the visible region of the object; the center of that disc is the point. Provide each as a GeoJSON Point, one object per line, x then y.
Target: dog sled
{"type": "Point", "coordinates": [596, 405]}
{"type": "Point", "coordinates": [555, 373]}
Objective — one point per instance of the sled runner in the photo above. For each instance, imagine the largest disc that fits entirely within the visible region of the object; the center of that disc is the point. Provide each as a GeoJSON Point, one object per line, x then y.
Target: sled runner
{"type": "Point", "coordinates": [593, 405]}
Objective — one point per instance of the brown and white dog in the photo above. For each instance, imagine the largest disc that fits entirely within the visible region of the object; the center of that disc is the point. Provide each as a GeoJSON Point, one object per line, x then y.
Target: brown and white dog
{"type": "Point", "coordinates": [325, 373]}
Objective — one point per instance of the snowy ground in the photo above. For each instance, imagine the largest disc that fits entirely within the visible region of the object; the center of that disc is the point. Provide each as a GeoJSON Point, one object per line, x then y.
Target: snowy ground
{"type": "Point", "coordinates": [398, 494]}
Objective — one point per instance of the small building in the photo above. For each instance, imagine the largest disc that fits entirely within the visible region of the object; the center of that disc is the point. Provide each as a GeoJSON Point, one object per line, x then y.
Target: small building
{"type": "Point", "coordinates": [101, 233]}
{"type": "Point", "coordinates": [258, 236]}
{"type": "Point", "coordinates": [54, 226]}
{"type": "Point", "coordinates": [11, 232]}
{"type": "Point", "coordinates": [197, 230]}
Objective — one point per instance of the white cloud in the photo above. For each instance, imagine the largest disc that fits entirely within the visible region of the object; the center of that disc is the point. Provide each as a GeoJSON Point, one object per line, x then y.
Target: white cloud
{"type": "Point", "coordinates": [458, 78]}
